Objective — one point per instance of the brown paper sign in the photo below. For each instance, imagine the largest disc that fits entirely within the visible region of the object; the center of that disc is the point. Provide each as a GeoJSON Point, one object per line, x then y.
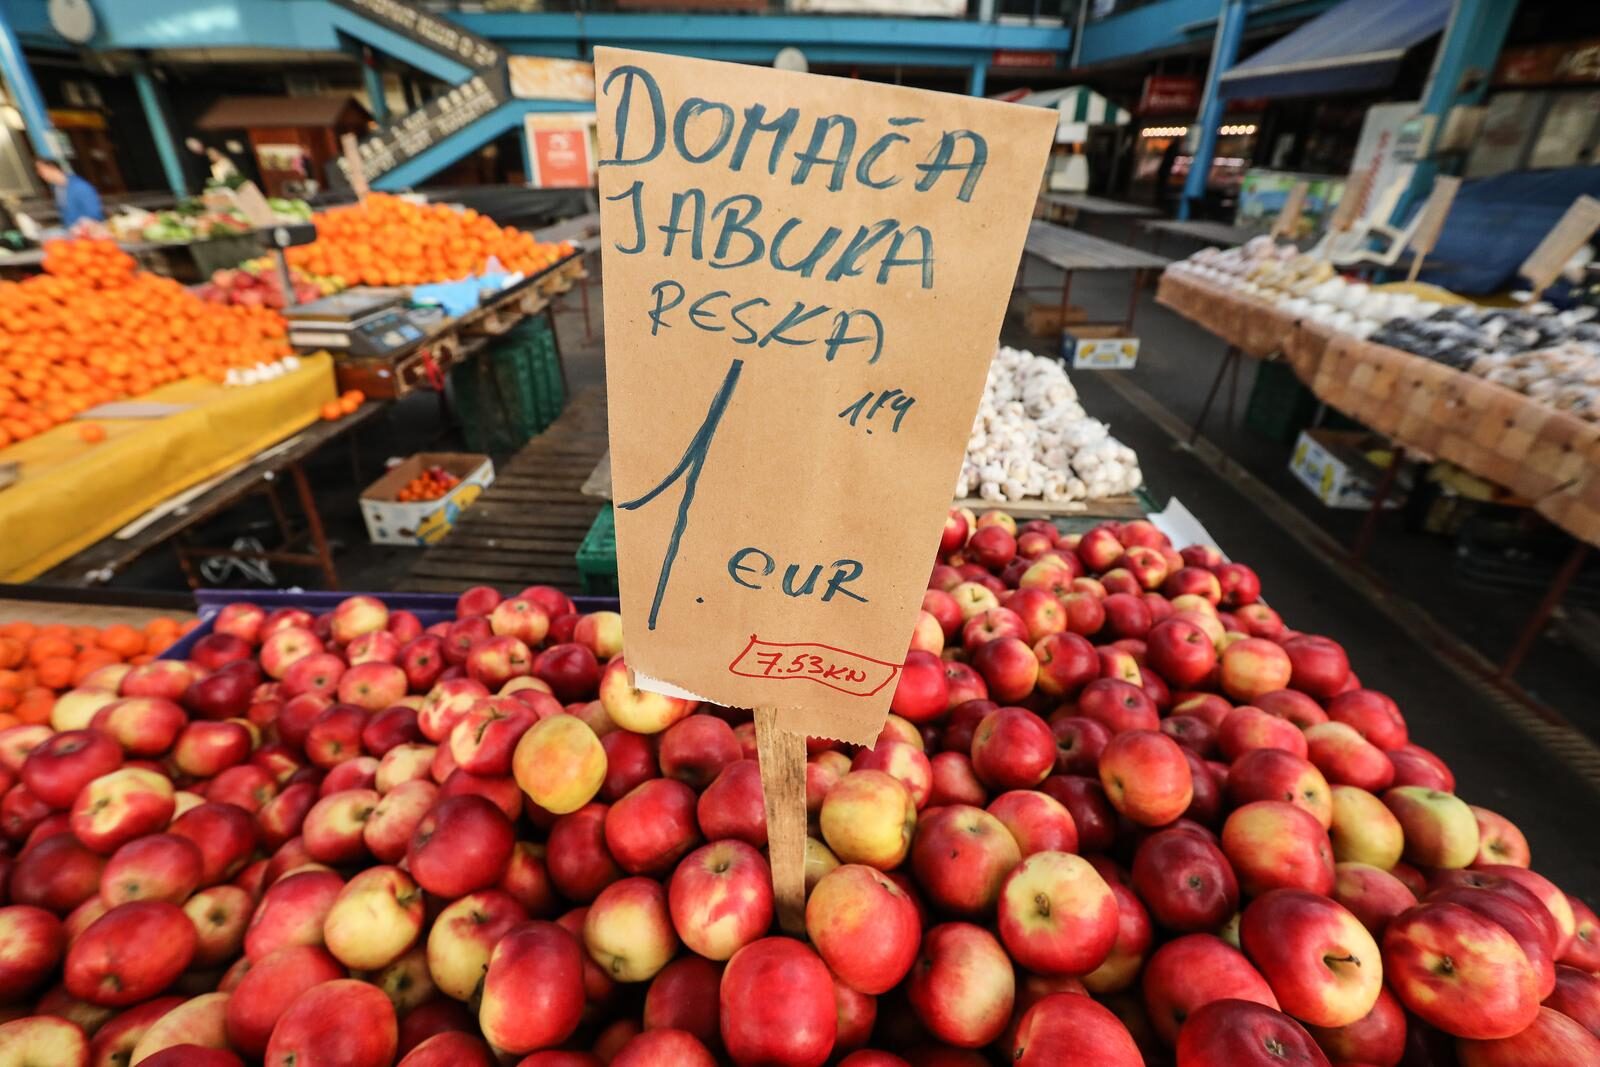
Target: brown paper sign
{"type": "Point", "coordinates": [1434, 211]}
{"type": "Point", "coordinates": [1287, 223]}
{"type": "Point", "coordinates": [1350, 201]}
{"type": "Point", "coordinates": [805, 278]}
{"type": "Point", "coordinates": [257, 212]}
{"type": "Point", "coordinates": [354, 167]}
{"type": "Point", "coordinates": [1546, 262]}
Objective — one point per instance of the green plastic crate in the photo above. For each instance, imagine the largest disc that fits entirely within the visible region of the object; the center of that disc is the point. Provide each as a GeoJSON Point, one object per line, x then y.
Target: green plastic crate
{"type": "Point", "coordinates": [510, 392]}
{"type": "Point", "coordinates": [1280, 406]}
{"type": "Point", "coordinates": [597, 555]}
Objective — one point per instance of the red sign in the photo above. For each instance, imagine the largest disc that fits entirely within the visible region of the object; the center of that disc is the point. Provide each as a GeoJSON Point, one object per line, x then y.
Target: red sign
{"type": "Point", "coordinates": [1546, 64]}
{"type": "Point", "coordinates": [561, 158]}
{"type": "Point", "coordinates": [1169, 94]}
{"type": "Point", "coordinates": [1023, 59]}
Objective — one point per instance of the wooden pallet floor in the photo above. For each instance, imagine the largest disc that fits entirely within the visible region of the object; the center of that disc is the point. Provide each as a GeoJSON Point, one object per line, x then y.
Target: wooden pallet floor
{"type": "Point", "coordinates": [525, 530]}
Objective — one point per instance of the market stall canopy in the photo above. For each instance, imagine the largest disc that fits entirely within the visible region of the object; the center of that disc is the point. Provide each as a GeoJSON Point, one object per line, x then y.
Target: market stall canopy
{"type": "Point", "coordinates": [283, 112]}
{"type": "Point", "coordinates": [1355, 46]}
{"type": "Point", "coordinates": [1080, 108]}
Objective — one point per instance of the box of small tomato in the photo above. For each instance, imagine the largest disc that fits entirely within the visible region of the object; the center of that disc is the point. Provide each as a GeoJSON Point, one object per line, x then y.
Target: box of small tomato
{"type": "Point", "coordinates": [419, 500]}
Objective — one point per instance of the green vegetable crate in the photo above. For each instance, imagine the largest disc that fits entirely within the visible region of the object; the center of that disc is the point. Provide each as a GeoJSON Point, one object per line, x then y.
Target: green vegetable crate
{"type": "Point", "coordinates": [597, 555]}
{"type": "Point", "coordinates": [512, 391]}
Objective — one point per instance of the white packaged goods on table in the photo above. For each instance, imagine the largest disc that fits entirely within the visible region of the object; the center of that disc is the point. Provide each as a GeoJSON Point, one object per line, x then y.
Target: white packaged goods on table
{"type": "Point", "coordinates": [1033, 440]}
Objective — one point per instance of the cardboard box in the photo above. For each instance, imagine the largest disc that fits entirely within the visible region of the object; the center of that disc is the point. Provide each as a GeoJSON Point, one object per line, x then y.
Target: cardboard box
{"type": "Point", "coordinates": [1333, 464]}
{"type": "Point", "coordinates": [424, 522]}
{"type": "Point", "coordinates": [1094, 347]}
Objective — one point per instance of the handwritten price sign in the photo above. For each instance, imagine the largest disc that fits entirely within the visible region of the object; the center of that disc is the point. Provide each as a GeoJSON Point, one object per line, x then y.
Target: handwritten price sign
{"type": "Point", "coordinates": [805, 279]}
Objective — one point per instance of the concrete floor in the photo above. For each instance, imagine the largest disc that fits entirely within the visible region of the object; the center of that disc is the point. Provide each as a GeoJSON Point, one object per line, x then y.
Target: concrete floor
{"type": "Point", "coordinates": [1398, 622]}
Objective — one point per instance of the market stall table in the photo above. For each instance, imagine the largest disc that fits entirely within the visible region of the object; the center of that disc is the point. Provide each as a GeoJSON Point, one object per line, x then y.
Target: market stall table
{"type": "Point", "coordinates": [173, 519]}
{"type": "Point", "coordinates": [1072, 250]}
{"type": "Point", "coordinates": [584, 232]}
{"type": "Point", "coordinates": [1205, 232]}
{"type": "Point", "coordinates": [439, 343]}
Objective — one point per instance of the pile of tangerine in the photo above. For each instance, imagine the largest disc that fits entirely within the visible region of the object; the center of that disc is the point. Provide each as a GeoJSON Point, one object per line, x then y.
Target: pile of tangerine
{"type": "Point", "coordinates": [344, 404]}
{"type": "Point", "coordinates": [431, 484]}
{"type": "Point", "coordinates": [38, 662]}
{"type": "Point", "coordinates": [385, 240]}
{"type": "Point", "coordinates": [92, 329]}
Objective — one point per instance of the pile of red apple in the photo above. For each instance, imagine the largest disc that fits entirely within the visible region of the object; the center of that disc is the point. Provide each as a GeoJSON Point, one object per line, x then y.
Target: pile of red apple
{"type": "Point", "coordinates": [1120, 815]}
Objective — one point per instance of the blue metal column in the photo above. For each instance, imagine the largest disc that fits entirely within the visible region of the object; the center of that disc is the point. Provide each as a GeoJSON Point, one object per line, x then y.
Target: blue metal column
{"type": "Point", "coordinates": [14, 65]}
{"type": "Point", "coordinates": [155, 115]}
{"type": "Point", "coordinates": [977, 77]}
{"type": "Point", "coordinates": [373, 79]}
{"type": "Point", "coordinates": [1224, 51]}
{"type": "Point", "coordinates": [1470, 45]}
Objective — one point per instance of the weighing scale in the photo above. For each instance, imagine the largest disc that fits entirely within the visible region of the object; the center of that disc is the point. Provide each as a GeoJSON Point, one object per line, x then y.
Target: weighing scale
{"type": "Point", "coordinates": [368, 323]}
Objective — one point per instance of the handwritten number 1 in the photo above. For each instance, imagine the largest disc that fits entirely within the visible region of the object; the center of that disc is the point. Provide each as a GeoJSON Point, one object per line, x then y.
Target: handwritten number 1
{"type": "Point", "coordinates": [688, 468]}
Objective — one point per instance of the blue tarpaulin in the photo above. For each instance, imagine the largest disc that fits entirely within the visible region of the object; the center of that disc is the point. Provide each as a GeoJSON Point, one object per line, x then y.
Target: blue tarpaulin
{"type": "Point", "coordinates": [1355, 46]}
{"type": "Point", "coordinates": [1496, 222]}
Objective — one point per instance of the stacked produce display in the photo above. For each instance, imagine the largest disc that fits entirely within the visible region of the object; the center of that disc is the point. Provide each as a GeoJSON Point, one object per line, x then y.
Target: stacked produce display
{"type": "Point", "coordinates": [1033, 440]}
{"type": "Point", "coordinates": [1302, 285]}
{"type": "Point", "coordinates": [92, 328]}
{"type": "Point", "coordinates": [194, 221]}
{"type": "Point", "coordinates": [389, 240]}
{"type": "Point", "coordinates": [1121, 814]}
{"type": "Point", "coordinates": [41, 661]}
{"type": "Point", "coordinates": [1551, 356]}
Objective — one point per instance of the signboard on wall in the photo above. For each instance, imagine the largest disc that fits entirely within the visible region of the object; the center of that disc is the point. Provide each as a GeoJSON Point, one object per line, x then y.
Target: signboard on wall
{"type": "Point", "coordinates": [1169, 94]}
{"type": "Point", "coordinates": [561, 150]}
{"type": "Point", "coordinates": [420, 130]}
{"type": "Point", "coordinates": [1564, 63]}
{"type": "Point", "coordinates": [543, 78]}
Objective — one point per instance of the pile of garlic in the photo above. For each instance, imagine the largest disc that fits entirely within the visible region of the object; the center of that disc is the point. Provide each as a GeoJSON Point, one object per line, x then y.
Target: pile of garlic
{"type": "Point", "coordinates": [261, 372]}
{"type": "Point", "coordinates": [1032, 439]}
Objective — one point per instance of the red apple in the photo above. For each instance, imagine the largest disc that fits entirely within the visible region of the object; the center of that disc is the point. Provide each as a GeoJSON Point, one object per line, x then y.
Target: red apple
{"type": "Point", "coordinates": [570, 670]}
{"type": "Point", "coordinates": [158, 867]}
{"type": "Point", "coordinates": [1118, 706]}
{"type": "Point", "coordinates": [1322, 964]}
{"type": "Point", "coordinates": [1460, 971]}
{"type": "Point", "coordinates": [962, 986]}
{"type": "Point", "coordinates": [117, 807]}
{"type": "Point", "coordinates": [130, 953]}
{"type": "Point", "coordinates": [292, 912]}
{"type": "Point", "coordinates": [720, 898]}
{"type": "Point", "coordinates": [1253, 666]}
{"type": "Point", "coordinates": [1238, 1033]}
{"type": "Point", "coordinates": [533, 992]}
{"type": "Point", "coordinates": [1551, 1040]}
{"type": "Point", "coordinates": [1008, 666]}
{"type": "Point", "coordinates": [32, 943]}
{"type": "Point", "coordinates": [64, 763]}
{"type": "Point", "coordinates": [1320, 666]}
{"type": "Point", "coordinates": [865, 927]}
{"type": "Point", "coordinates": [57, 873]}
{"type": "Point", "coordinates": [1037, 821]}
{"type": "Point", "coordinates": [795, 1029]}
{"type": "Point", "coordinates": [961, 856]}
{"type": "Point", "coordinates": [1275, 845]}
{"type": "Point", "coordinates": [462, 845]}
{"type": "Point", "coordinates": [1013, 748]}
{"type": "Point", "coordinates": [343, 1022]}
{"type": "Point", "coordinates": [1069, 1030]}
{"type": "Point", "coordinates": [1057, 915]}
{"type": "Point", "coordinates": [1092, 813]}
{"type": "Point", "coordinates": [1182, 652]}
{"type": "Point", "coordinates": [1194, 970]}
{"type": "Point", "coordinates": [1273, 774]}
{"type": "Point", "coordinates": [1185, 880]}
{"type": "Point", "coordinates": [1499, 840]}
{"type": "Point", "coordinates": [1146, 777]}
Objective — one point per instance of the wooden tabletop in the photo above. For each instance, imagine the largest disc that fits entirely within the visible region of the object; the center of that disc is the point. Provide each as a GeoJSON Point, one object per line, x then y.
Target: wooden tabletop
{"type": "Point", "coordinates": [1068, 249]}
{"type": "Point", "coordinates": [1097, 205]}
{"type": "Point", "coordinates": [1216, 233]}
{"type": "Point", "coordinates": [109, 555]}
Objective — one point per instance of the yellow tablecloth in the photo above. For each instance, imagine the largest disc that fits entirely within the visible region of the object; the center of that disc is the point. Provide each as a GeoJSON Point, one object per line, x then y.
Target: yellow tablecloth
{"type": "Point", "coordinates": [71, 493]}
